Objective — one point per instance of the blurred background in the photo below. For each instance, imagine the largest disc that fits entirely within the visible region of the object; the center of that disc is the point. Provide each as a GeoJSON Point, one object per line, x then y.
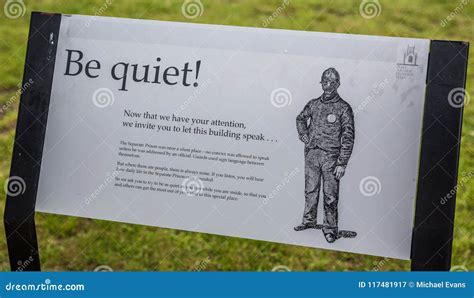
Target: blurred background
{"type": "Point", "coordinates": [68, 243]}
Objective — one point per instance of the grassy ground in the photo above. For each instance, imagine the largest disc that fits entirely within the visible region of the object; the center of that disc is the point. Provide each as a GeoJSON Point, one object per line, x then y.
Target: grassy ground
{"type": "Point", "coordinates": [68, 243]}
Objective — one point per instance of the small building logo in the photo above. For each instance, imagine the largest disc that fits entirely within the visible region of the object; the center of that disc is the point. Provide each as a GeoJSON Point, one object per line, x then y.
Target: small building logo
{"type": "Point", "coordinates": [409, 56]}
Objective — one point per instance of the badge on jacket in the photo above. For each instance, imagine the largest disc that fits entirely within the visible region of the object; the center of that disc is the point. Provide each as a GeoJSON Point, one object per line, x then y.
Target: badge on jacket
{"type": "Point", "coordinates": [331, 118]}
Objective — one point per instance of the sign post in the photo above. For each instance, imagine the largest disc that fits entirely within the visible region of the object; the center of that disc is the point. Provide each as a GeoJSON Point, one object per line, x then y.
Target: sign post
{"type": "Point", "coordinates": [19, 217]}
{"type": "Point", "coordinates": [439, 157]}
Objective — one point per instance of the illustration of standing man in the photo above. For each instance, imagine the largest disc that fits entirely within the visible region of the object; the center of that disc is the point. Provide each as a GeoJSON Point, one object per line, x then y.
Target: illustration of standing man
{"type": "Point", "coordinates": [326, 126]}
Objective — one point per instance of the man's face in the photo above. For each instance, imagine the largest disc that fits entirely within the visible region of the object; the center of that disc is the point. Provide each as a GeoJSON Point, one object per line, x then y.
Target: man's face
{"type": "Point", "coordinates": [329, 86]}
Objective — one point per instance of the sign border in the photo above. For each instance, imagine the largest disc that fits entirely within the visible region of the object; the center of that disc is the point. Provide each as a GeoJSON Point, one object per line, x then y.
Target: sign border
{"type": "Point", "coordinates": [433, 223]}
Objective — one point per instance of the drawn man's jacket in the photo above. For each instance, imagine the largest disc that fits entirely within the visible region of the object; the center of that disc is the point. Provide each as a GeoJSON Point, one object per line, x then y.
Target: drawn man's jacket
{"type": "Point", "coordinates": [330, 128]}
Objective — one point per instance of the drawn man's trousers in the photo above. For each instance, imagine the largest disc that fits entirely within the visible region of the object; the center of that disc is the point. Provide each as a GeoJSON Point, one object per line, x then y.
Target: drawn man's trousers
{"type": "Point", "coordinates": [319, 165]}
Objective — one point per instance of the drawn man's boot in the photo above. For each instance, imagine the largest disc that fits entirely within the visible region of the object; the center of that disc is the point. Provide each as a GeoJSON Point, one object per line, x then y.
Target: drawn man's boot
{"type": "Point", "coordinates": [304, 226]}
{"type": "Point", "coordinates": [330, 237]}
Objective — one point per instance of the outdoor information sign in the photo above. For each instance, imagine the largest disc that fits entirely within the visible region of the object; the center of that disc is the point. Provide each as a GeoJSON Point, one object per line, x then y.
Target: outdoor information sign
{"type": "Point", "coordinates": [335, 141]}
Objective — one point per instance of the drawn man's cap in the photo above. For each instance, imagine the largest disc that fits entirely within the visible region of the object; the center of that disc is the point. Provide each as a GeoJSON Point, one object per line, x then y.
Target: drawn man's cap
{"type": "Point", "coordinates": [330, 74]}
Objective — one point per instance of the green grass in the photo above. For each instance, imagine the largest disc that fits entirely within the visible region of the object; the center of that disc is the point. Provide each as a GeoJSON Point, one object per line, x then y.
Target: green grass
{"type": "Point", "coordinates": [68, 243]}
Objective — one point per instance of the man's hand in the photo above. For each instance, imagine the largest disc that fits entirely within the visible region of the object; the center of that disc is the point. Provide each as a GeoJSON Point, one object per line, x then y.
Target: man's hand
{"type": "Point", "coordinates": [304, 138]}
{"type": "Point", "coordinates": [339, 172]}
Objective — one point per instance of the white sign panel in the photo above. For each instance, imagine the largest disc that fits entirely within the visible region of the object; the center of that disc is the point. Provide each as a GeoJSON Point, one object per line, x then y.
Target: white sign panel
{"type": "Point", "coordinates": [294, 137]}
